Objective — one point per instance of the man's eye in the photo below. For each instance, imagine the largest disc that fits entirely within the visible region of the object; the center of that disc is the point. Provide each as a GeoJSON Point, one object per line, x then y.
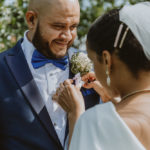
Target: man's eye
{"type": "Point", "coordinates": [58, 27]}
{"type": "Point", "coordinates": [73, 27]}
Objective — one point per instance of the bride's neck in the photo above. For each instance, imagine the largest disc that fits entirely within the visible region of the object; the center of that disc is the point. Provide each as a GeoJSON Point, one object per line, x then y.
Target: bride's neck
{"type": "Point", "coordinates": [132, 84]}
{"type": "Point", "coordinates": [127, 89]}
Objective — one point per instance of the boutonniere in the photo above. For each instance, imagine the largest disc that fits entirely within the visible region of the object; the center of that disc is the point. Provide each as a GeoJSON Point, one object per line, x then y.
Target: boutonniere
{"type": "Point", "coordinates": [80, 65]}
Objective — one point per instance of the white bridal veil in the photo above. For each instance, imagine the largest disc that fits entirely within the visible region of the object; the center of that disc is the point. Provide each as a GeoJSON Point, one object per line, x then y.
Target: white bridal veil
{"type": "Point", "coordinates": [137, 18]}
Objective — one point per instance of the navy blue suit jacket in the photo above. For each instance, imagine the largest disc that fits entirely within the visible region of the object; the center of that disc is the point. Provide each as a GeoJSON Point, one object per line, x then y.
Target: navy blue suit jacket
{"type": "Point", "coordinates": [24, 120]}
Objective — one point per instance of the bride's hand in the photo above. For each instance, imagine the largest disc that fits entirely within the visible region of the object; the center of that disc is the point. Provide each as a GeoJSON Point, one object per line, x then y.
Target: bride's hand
{"type": "Point", "coordinates": [69, 97]}
{"type": "Point", "coordinates": [91, 82]}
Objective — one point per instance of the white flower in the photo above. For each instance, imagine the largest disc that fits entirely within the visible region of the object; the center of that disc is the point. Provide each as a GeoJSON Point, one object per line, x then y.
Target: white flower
{"type": "Point", "coordinates": [80, 63]}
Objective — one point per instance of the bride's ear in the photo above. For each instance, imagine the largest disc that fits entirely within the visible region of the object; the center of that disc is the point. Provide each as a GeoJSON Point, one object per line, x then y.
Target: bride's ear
{"type": "Point", "coordinates": [107, 58]}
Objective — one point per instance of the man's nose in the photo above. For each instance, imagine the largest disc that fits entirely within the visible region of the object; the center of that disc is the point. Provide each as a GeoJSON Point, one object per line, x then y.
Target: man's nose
{"type": "Point", "coordinates": [66, 35]}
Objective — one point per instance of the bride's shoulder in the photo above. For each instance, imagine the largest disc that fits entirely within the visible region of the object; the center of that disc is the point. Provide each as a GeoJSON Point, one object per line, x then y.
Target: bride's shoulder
{"type": "Point", "coordinates": [137, 118]}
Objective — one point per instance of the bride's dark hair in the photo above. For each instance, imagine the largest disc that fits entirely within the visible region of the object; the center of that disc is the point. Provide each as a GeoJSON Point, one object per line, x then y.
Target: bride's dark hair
{"type": "Point", "coordinates": [102, 34]}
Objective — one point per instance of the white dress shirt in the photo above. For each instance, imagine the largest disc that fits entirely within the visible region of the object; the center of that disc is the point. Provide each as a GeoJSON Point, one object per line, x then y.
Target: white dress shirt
{"type": "Point", "coordinates": [48, 79]}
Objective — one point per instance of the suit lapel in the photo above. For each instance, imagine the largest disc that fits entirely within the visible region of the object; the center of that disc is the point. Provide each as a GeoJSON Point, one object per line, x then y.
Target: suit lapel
{"type": "Point", "coordinates": [20, 70]}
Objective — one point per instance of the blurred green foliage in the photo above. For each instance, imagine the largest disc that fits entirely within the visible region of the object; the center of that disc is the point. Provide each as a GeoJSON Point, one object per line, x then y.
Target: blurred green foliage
{"type": "Point", "coordinates": [13, 25]}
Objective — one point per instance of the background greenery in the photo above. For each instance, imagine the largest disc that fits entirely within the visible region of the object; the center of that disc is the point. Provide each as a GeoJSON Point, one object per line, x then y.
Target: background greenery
{"type": "Point", "coordinates": [13, 25]}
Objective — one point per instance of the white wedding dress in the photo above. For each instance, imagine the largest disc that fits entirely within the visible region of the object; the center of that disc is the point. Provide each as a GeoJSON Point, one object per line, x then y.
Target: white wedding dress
{"type": "Point", "coordinates": [101, 128]}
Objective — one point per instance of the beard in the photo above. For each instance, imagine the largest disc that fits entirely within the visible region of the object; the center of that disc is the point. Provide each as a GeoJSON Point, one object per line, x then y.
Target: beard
{"type": "Point", "coordinates": [43, 46]}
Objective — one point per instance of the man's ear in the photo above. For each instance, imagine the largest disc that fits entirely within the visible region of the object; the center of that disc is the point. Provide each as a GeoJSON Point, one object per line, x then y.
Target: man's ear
{"type": "Point", "coordinates": [31, 19]}
{"type": "Point", "coordinates": [107, 58]}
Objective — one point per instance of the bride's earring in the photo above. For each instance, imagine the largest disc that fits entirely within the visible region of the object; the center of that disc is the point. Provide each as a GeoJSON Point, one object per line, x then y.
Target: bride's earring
{"type": "Point", "coordinates": [108, 81]}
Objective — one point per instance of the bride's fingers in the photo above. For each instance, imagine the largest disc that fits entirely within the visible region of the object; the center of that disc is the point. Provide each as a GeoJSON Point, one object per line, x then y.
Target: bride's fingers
{"type": "Point", "coordinates": [62, 85]}
{"type": "Point", "coordinates": [71, 89]}
{"type": "Point", "coordinates": [85, 78]}
{"type": "Point", "coordinates": [58, 92]}
{"type": "Point", "coordinates": [63, 99]}
{"type": "Point", "coordinates": [68, 97]}
{"type": "Point", "coordinates": [63, 105]}
{"type": "Point", "coordinates": [90, 75]}
{"type": "Point", "coordinates": [55, 97]}
{"type": "Point", "coordinates": [64, 95]}
{"type": "Point", "coordinates": [68, 82]}
{"type": "Point", "coordinates": [88, 85]}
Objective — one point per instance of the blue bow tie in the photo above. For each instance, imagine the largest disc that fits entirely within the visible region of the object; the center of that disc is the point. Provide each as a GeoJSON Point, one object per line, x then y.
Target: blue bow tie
{"type": "Point", "coordinates": [38, 60]}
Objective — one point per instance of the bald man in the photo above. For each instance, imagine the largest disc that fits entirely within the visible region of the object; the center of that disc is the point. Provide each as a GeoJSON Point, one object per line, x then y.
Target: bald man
{"type": "Point", "coordinates": [31, 71]}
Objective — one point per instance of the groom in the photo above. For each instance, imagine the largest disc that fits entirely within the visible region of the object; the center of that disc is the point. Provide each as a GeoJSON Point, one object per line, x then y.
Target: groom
{"type": "Point", "coordinates": [31, 71]}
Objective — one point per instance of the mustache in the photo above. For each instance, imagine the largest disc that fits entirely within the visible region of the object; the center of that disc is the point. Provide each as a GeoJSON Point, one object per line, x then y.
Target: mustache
{"type": "Point", "coordinates": [61, 40]}
{"type": "Point", "coordinates": [68, 43]}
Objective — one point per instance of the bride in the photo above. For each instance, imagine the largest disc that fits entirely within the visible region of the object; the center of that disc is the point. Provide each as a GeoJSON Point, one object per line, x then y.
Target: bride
{"type": "Point", "coordinates": [118, 43]}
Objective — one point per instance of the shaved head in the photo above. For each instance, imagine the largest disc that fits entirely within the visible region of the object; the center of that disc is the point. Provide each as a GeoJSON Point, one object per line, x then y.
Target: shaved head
{"type": "Point", "coordinates": [40, 6]}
